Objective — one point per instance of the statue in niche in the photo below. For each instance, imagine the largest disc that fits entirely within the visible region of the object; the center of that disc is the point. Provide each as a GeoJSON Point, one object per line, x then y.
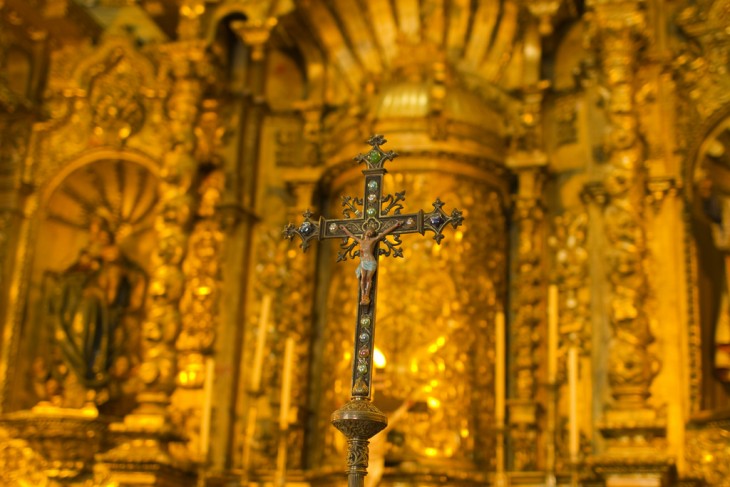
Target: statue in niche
{"type": "Point", "coordinates": [716, 208]}
{"type": "Point", "coordinates": [88, 307]}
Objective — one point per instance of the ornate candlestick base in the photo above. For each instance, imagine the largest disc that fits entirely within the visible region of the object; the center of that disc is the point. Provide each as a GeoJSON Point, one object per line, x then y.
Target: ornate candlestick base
{"type": "Point", "coordinates": [359, 420]}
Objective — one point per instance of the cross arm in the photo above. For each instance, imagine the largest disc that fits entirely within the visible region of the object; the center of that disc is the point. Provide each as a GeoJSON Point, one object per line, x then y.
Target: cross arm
{"type": "Point", "coordinates": [321, 229]}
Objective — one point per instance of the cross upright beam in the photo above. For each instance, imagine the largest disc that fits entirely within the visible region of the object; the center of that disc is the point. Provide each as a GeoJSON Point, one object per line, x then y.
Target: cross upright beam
{"type": "Point", "coordinates": [368, 222]}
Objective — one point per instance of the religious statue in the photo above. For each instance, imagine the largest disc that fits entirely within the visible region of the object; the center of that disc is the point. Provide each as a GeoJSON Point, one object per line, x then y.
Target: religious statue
{"type": "Point", "coordinates": [87, 306]}
{"type": "Point", "coordinates": [716, 208]}
{"type": "Point", "coordinates": [368, 263]}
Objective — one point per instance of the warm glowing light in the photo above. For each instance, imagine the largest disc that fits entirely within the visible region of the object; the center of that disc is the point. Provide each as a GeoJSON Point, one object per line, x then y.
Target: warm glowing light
{"type": "Point", "coordinates": [379, 359]}
{"type": "Point", "coordinates": [708, 458]}
{"type": "Point", "coordinates": [434, 383]}
{"type": "Point", "coordinates": [433, 403]}
{"type": "Point", "coordinates": [431, 452]}
{"type": "Point", "coordinates": [441, 366]}
{"type": "Point", "coordinates": [414, 366]}
{"type": "Point", "coordinates": [291, 254]}
{"type": "Point", "coordinates": [427, 389]}
{"type": "Point", "coordinates": [440, 341]}
{"type": "Point", "coordinates": [459, 235]}
{"type": "Point", "coordinates": [464, 433]}
{"type": "Point", "coordinates": [433, 348]}
{"type": "Point", "coordinates": [348, 356]}
{"type": "Point", "coordinates": [448, 451]}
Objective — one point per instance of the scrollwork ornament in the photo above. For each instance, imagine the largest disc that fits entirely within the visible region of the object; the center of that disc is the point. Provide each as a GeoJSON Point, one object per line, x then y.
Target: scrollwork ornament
{"type": "Point", "coordinates": [632, 366]}
{"type": "Point", "coordinates": [707, 453]}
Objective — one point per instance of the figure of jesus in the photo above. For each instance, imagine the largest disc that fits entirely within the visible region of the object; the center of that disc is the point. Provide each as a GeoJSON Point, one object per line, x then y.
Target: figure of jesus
{"type": "Point", "coordinates": [368, 262]}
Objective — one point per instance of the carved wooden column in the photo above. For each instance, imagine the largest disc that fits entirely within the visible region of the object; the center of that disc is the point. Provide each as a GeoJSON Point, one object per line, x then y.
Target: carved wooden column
{"type": "Point", "coordinates": [528, 160]}
{"type": "Point", "coordinates": [528, 317]}
{"type": "Point", "coordinates": [632, 425]}
{"type": "Point", "coordinates": [573, 420]}
{"type": "Point", "coordinates": [145, 435]}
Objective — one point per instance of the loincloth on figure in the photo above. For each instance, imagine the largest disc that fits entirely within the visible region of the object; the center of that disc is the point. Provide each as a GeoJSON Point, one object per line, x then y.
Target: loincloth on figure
{"type": "Point", "coordinates": [367, 265]}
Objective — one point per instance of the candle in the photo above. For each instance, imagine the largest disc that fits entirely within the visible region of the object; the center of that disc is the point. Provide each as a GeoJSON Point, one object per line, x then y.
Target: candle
{"type": "Point", "coordinates": [286, 384]}
{"type": "Point", "coordinates": [499, 363]}
{"type": "Point", "coordinates": [280, 479]}
{"type": "Point", "coordinates": [207, 408]}
{"type": "Point", "coordinates": [552, 333]}
{"type": "Point", "coordinates": [258, 359]}
{"type": "Point", "coordinates": [574, 439]}
{"type": "Point", "coordinates": [499, 390]}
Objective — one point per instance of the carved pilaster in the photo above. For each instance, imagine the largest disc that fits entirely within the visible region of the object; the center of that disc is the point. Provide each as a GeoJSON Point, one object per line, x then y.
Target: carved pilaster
{"type": "Point", "coordinates": [570, 259]}
{"type": "Point", "coordinates": [528, 315]}
{"type": "Point", "coordinates": [632, 364]}
{"type": "Point", "coordinates": [146, 434]}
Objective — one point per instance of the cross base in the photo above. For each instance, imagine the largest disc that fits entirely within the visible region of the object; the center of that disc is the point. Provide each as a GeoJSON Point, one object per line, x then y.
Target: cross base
{"type": "Point", "coordinates": [359, 420]}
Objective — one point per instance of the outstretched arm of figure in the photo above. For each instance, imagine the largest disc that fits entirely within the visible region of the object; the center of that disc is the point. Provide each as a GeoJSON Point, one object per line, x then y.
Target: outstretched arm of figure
{"type": "Point", "coordinates": [389, 230]}
{"type": "Point", "coordinates": [348, 232]}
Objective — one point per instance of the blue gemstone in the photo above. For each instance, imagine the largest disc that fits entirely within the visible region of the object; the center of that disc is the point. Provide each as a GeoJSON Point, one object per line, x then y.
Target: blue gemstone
{"type": "Point", "coordinates": [436, 220]}
{"type": "Point", "coordinates": [306, 228]}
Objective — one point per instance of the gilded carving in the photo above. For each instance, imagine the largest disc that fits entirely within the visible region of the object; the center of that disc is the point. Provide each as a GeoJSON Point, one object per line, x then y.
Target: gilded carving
{"type": "Point", "coordinates": [528, 318]}
{"type": "Point", "coordinates": [288, 280]}
{"type": "Point", "coordinates": [707, 452]}
{"type": "Point", "coordinates": [20, 465]}
{"type": "Point", "coordinates": [700, 64]}
{"type": "Point", "coordinates": [569, 242]}
{"type": "Point", "coordinates": [631, 364]}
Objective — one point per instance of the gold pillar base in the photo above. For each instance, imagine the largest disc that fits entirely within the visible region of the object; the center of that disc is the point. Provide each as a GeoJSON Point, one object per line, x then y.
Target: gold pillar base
{"type": "Point", "coordinates": [628, 472]}
{"type": "Point", "coordinates": [141, 457]}
{"type": "Point", "coordinates": [65, 439]}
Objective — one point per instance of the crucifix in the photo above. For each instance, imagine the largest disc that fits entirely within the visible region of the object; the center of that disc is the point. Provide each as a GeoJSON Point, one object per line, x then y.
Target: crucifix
{"type": "Point", "coordinates": [372, 226]}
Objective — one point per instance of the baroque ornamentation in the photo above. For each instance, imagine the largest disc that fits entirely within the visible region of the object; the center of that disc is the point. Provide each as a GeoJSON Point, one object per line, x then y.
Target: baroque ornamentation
{"type": "Point", "coordinates": [528, 318]}
{"type": "Point", "coordinates": [569, 243]}
{"type": "Point", "coordinates": [632, 365]}
{"type": "Point", "coordinates": [707, 452]}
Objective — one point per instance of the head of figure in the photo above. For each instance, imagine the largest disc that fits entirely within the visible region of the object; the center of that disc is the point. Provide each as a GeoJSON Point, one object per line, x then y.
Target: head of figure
{"type": "Point", "coordinates": [100, 231]}
{"type": "Point", "coordinates": [370, 233]}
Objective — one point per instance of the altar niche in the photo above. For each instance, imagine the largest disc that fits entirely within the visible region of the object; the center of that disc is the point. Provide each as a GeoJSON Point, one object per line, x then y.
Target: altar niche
{"type": "Point", "coordinates": [86, 302]}
{"type": "Point", "coordinates": [369, 221]}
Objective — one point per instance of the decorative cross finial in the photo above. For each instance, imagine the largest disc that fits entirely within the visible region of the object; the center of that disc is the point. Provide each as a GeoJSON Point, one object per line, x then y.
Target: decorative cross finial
{"type": "Point", "coordinates": [376, 157]}
{"type": "Point", "coordinates": [368, 222]}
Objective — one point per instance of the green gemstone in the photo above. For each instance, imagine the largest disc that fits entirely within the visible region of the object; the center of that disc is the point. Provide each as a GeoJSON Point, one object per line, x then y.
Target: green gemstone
{"type": "Point", "coordinates": [365, 321]}
{"type": "Point", "coordinates": [371, 211]}
{"type": "Point", "coordinates": [373, 156]}
{"type": "Point", "coordinates": [373, 185]}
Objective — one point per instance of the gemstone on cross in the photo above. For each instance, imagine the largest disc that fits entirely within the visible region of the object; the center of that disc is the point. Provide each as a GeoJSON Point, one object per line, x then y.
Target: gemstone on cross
{"type": "Point", "coordinates": [368, 222]}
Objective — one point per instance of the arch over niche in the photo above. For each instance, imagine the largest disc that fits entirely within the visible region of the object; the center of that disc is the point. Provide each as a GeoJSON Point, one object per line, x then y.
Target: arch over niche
{"type": "Point", "coordinates": [708, 198]}
{"type": "Point", "coordinates": [88, 279]}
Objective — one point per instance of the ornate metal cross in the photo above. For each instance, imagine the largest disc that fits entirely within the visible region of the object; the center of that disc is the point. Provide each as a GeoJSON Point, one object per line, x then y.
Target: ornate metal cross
{"type": "Point", "coordinates": [369, 221]}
